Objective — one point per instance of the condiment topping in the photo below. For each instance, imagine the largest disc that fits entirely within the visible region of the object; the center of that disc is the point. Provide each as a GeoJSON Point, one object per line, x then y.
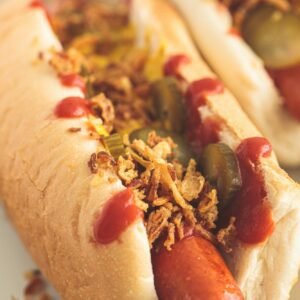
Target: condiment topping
{"type": "Point", "coordinates": [201, 132]}
{"type": "Point", "coordinates": [273, 35]}
{"type": "Point", "coordinates": [108, 61]}
{"type": "Point", "coordinates": [176, 199]}
{"type": "Point", "coordinates": [129, 96]}
{"type": "Point", "coordinates": [37, 4]}
{"type": "Point", "coordinates": [119, 212]}
{"type": "Point", "coordinates": [174, 63]}
{"type": "Point", "coordinates": [254, 221]}
{"type": "Point", "coordinates": [114, 145]}
{"type": "Point", "coordinates": [287, 81]}
{"type": "Point", "coordinates": [220, 167]}
{"type": "Point", "coordinates": [182, 152]}
{"type": "Point", "coordinates": [72, 107]}
{"type": "Point", "coordinates": [199, 89]}
{"type": "Point", "coordinates": [73, 80]}
{"type": "Point", "coordinates": [168, 103]}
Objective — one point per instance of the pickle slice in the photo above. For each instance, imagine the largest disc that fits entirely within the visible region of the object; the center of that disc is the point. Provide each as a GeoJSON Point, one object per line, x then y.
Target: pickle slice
{"type": "Point", "coordinates": [274, 35]}
{"type": "Point", "coordinates": [220, 167]}
{"type": "Point", "coordinates": [182, 152]}
{"type": "Point", "coordinates": [114, 144]}
{"type": "Point", "coordinates": [168, 104]}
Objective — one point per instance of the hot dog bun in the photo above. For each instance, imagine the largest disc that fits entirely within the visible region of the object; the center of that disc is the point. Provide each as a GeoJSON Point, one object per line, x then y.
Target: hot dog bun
{"type": "Point", "coordinates": [48, 189]}
{"type": "Point", "coordinates": [253, 267]}
{"type": "Point", "coordinates": [244, 74]}
{"type": "Point", "coordinates": [52, 198]}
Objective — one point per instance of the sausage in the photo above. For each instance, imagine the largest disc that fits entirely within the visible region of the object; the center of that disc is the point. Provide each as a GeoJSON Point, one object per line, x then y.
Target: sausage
{"type": "Point", "coordinates": [193, 269]}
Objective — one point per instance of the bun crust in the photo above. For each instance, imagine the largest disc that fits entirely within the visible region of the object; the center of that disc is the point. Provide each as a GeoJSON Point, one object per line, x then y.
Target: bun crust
{"type": "Point", "coordinates": [52, 198]}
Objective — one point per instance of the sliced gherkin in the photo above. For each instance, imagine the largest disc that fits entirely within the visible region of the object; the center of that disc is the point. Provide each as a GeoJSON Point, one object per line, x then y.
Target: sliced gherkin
{"type": "Point", "coordinates": [220, 167]}
{"type": "Point", "coordinates": [274, 35]}
{"type": "Point", "coordinates": [114, 144]}
{"type": "Point", "coordinates": [168, 104]}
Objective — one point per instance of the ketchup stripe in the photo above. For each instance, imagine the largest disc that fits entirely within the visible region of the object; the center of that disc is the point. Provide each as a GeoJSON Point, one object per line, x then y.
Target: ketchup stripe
{"type": "Point", "coordinates": [253, 213]}
{"type": "Point", "coordinates": [287, 81]}
{"type": "Point", "coordinates": [73, 80]}
{"type": "Point", "coordinates": [118, 214]}
{"type": "Point", "coordinates": [174, 63]}
{"type": "Point", "coordinates": [72, 107]}
{"type": "Point", "coordinates": [201, 132]}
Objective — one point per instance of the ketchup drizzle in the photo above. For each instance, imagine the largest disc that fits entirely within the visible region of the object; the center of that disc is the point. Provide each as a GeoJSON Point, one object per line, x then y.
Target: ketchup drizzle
{"type": "Point", "coordinates": [201, 132]}
{"type": "Point", "coordinates": [234, 31]}
{"type": "Point", "coordinates": [174, 63]}
{"type": "Point", "coordinates": [73, 80]}
{"type": "Point", "coordinates": [118, 213]}
{"type": "Point", "coordinates": [253, 213]}
{"type": "Point", "coordinates": [37, 4]}
{"type": "Point", "coordinates": [72, 107]}
{"type": "Point", "coordinates": [287, 81]}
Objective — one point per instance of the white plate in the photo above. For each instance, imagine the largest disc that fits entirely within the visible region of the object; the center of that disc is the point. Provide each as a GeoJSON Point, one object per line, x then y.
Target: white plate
{"type": "Point", "coordinates": [14, 262]}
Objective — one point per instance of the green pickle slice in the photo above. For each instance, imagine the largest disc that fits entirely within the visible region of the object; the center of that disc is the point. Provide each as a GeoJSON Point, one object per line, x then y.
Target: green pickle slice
{"type": "Point", "coordinates": [168, 104]}
{"type": "Point", "coordinates": [274, 35]}
{"type": "Point", "coordinates": [220, 167]}
{"type": "Point", "coordinates": [114, 144]}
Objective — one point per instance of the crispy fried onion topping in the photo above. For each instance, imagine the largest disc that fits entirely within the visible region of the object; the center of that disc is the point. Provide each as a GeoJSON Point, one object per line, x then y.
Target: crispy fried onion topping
{"type": "Point", "coordinates": [68, 62]}
{"type": "Point", "coordinates": [176, 200]}
{"type": "Point", "coordinates": [226, 236]}
{"type": "Point", "coordinates": [75, 17]}
{"type": "Point", "coordinates": [100, 47]}
{"type": "Point", "coordinates": [104, 109]}
{"type": "Point", "coordinates": [127, 91]}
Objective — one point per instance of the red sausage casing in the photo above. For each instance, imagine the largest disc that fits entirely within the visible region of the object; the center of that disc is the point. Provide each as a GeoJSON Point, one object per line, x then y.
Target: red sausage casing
{"type": "Point", "coordinates": [193, 269]}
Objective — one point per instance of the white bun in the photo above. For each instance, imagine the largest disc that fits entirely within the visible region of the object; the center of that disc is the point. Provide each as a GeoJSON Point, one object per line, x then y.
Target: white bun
{"type": "Point", "coordinates": [52, 198]}
{"type": "Point", "coordinates": [48, 189]}
{"type": "Point", "coordinates": [244, 74]}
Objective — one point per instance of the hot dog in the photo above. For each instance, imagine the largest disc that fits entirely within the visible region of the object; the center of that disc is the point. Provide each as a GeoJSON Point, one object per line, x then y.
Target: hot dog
{"type": "Point", "coordinates": [129, 159]}
{"type": "Point", "coordinates": [265, 81]}
{"type": "Point", "coordinates": [199, 275]}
